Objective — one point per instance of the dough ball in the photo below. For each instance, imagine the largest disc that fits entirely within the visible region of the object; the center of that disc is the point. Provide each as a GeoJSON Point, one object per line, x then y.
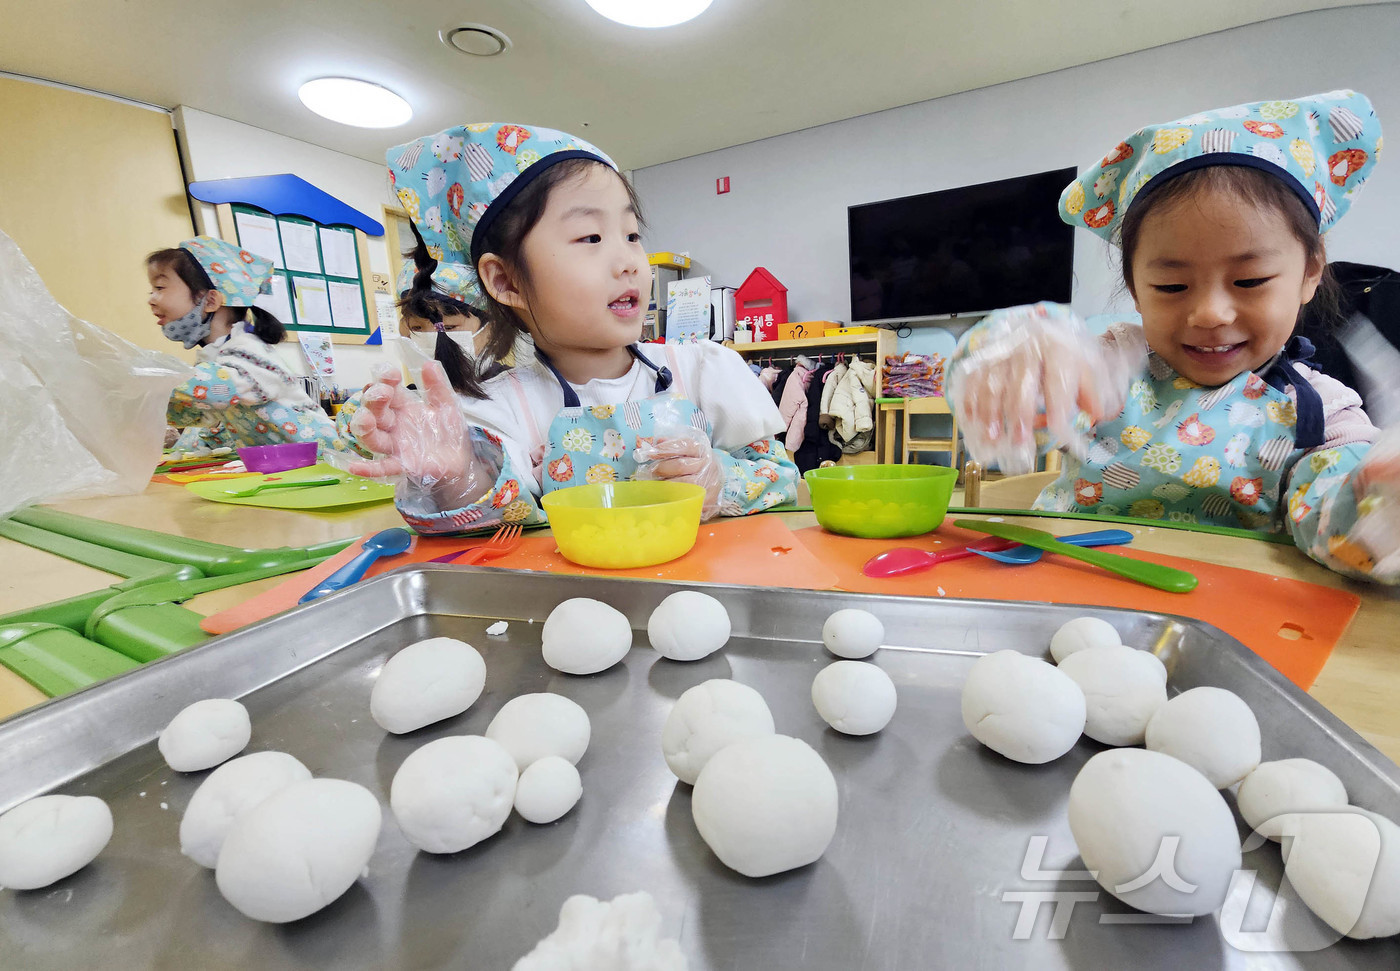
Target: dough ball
{"type": "Point", "coordinates": [854, 697]}
{"type": "Point", "coordinates": [231, 790]}
{"type": "Point", "coordinates": [708, 717]}
{"type": "Point", "coordinates": [204, 734]}
{"type": "Point", "coordinates": [623, 934]}
{"type": "Point", "coordinates": [298, 850]}
{"type": "Point", "coordinates": [1123, 688]}
{"type": "Point", "coordinates": [1022, 707]}
{"type": "Point", "coordinates": [687, 626]}
{"type": "Point", "coordinates": [1080, 634]}
{"type": "Point", "coordinates": [453, 793]}
{"type": "Point", "coordinates": [530, 727]}
{"type": "Point", "coordinates": [547, 790]}
{"type": "Point", "coordinates": [1210, 729]}
{"type": "Point", "coordinates": [1345, 865]}
{"type": "Point", "coordinates": [765, 805]}
{"type": "Point", "coordinates": [853, 633]}
{"type": "Point", "coordinates": [1123, 805]}
{"type": "Point", "coordinates": [48, 838]}
{"type": "Point", "coordinates": [1288, 786]}
{"type": "Point", "coordinates": [583, 636]}
{"type": "Point", "coordinates": [425, 683]}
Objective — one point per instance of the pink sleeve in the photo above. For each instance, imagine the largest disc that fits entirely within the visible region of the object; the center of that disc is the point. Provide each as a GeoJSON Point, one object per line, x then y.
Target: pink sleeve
{"type": "Point", "coordinates": [1344, 420]}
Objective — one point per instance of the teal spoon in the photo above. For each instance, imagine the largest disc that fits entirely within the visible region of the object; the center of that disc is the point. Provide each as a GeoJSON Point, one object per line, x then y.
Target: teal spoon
{"type": "Point", "coordinates": [387, 542]}
{"type": "Point", "coordinates": [1150, 574]}
{"type": "Point", "coordinates": [324, 480]}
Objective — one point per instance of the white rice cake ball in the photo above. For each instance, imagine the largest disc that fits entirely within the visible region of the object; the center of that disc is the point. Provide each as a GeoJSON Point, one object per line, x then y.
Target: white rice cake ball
{"type": "Point", "coordinates": [231, 790]}
{"type": "Point", "coordinates": [1123, 688]}
{"type": "Point", "coordinates": [1022, 707]}
{"type": "Point", "coordinates": [425, 683]}
{"type": "Point", "coordinates": [298, 850]}
{"type": "Point", "coordinates": [547, 790]}
{"type": "Point", "coordinates": [708, 717]}
{"type": "Point", "coordinates": [45, 839]}
{"type": "Point", "coordinates": [688, 625]}
{"type": "Point", "coordinates": [1211, 729]}
{"type": "Point", "coordinates": [623, 934]}
{"type": "Point", "coordinates": [853, 633]}
{"type": "Point", "coordinates": [583, 636]}
{"type": "Point", "coordinates": [854, 697]}
{"type": "Point", "coordinates": [1123, 806]}
{"type": "Point", "coordinates": [532, 726]}
{"type": "Point", "coordinates": [453, 793]}
{"type": "Point", "coordinates": [1345, 865]}
{"type": "Point", "coordinates": [204, 734]}
{"type": "Point", "coordinates": [1080, 634]}
{"type": "Point", "coordinates": [765, 805]}
{"type": "Point", "coordinates": [1288, 786]}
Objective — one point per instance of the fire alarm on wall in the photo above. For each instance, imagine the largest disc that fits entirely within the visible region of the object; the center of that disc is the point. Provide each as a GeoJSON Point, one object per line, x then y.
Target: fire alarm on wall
{"type": "Point", "coordinates": [721, 186]}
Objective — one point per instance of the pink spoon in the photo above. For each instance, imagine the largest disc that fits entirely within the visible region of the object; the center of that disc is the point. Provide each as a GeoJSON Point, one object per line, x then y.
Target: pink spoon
{"type": "Point", "coordinates": [906, 559]}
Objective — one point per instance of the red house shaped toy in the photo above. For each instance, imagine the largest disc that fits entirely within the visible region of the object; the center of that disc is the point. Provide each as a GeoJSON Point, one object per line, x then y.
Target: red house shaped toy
{"type": "Point", "coordinates": [761, 303]}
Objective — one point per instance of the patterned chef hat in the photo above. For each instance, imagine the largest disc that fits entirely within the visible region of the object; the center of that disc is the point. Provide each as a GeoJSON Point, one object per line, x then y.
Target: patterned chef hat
{"type": "Point", "coordinates": [454, 184]}
{"type": "Point", "coordinates": [456, 280]}
{"type": "Point", "coordinates": [238, 274]}
{"type": "Point", "coordinates": [1323, 147]}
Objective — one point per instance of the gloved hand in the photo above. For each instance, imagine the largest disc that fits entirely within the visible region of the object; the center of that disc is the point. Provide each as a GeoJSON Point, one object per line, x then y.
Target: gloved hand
{"type": "Point", "coordinates": [1038, 367]}
{"type": "Point", "coordinates": [683, 454]}
{"type": "Point", "coordinates": [422, 440]}
{"type": "Point", "coordinates": [1377, 528]}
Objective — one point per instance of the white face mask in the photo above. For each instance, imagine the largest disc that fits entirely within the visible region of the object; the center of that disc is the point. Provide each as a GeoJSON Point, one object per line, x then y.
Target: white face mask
{"type": "Point", "coordinates": [426, 341]}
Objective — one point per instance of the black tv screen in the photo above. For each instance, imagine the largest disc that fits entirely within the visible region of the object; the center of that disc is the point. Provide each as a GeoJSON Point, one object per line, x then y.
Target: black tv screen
{"type": "Point", "coordinates": [966, 250]}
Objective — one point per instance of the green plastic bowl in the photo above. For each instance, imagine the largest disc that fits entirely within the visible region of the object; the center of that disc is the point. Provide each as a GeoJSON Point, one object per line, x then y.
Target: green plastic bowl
{"type": "Point", "coordinates": [881, 501]}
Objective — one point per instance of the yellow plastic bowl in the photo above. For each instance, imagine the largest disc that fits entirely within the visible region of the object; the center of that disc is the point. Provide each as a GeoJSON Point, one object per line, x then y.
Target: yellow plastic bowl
{"type": "Point", "coordinates": [619, 525]}
{"type": "Point", "coordinates": [881, 501]}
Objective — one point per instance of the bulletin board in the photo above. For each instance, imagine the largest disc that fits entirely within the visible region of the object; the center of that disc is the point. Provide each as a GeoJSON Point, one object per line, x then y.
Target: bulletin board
{"type": "Point", "coordinates": [318, 277]}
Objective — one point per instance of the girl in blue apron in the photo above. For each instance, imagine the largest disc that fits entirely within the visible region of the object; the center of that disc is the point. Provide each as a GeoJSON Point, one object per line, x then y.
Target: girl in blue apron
{"type": "Point", "coordinates": [202, 295]}
{"type": "Point", "coordinates": [1207, 412]}
{"type": "Point", "coordinates": [549, 230]}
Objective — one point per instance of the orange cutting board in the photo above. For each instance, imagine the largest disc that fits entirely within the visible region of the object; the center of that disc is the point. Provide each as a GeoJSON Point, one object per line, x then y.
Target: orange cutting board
{"type": "Point", "coordinates": [1251, 607]}
{"type": "Point", "coordinates": [755, 550]}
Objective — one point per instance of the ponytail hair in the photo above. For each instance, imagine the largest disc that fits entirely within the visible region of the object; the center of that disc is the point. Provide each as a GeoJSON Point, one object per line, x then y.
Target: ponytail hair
{"type": "Point", "coordinates": [425, 301]}
{"type": "Point", "coordinates": [266, 327]}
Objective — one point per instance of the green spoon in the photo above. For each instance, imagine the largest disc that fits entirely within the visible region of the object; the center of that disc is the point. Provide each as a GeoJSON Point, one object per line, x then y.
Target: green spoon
{"type": "Point", "coordinates": [1151, 574]}
{"type": "Point", "coordinates": [324, 480]}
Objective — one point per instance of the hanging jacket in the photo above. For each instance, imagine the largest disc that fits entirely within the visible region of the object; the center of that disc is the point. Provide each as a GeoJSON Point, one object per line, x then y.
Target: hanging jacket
{"type": "Point", "coordinates": [793, 407]}
{"type": "Point", "coordinates": [851, 407]}
{"type": "Point", "coordinates": [828, 420]}
{"type": "Point", "coordinates": [816, 447]}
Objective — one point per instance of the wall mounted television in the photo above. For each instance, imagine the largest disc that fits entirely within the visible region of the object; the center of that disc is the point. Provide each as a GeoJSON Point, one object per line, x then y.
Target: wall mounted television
{"type": "Point", "coordinates": [961, 251]}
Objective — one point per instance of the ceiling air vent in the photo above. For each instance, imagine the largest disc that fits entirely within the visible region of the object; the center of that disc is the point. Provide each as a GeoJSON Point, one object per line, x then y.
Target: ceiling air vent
{"type": "Point", "coordinates": [478, 40]}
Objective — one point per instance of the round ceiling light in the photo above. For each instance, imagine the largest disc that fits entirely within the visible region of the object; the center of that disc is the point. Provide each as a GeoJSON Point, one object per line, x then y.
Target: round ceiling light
{"type": "Point", "coordinates": [352, 102]}
{"type": "Point", "coordinates": [476, 39]}
{"type": "Point", "coordinates": [650, 13]}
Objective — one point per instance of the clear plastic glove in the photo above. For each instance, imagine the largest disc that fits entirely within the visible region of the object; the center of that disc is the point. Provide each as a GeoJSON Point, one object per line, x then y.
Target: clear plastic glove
{"type": "Point", "coordinates": [1035, 368]}
{"type": "Point", "coordinates": [1377, 485]}
{"type": "Point", "coordinates": [421, 441]}
{"type": "Point", "coordinates": [683, 454]}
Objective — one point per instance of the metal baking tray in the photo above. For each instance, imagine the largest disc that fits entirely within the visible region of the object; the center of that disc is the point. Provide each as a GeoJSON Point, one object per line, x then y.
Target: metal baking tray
{"type": "Point", "coordinates": [935, 831]}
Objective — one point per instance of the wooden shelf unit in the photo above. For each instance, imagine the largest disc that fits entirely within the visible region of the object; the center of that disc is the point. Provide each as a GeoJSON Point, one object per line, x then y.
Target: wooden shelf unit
{"type": "Point", "coordinates": [811, 343]}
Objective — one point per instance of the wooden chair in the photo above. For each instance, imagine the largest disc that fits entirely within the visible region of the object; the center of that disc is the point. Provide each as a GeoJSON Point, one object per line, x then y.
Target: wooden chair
{"type": "Point", "coordinates": [1012, 492]}
{"type": "Point", "coordinates": [930, 406]}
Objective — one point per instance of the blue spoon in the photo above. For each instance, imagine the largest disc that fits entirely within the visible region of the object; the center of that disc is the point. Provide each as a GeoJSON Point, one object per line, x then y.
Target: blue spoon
{"type": "Point", "coordinates": [388, 542]}
{"type": "Point", "coordinates": [1028, 554]}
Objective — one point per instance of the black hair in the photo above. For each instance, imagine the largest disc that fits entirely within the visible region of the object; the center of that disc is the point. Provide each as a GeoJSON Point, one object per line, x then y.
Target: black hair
{"type": "Point", "coordinates": [1266, 193]}
{"type": "Point", "coordinates": [426, 301]}
{"type": "Point", "coordinates": [505, 237]}
{"type": "Point", "coordinates": [266, 327]}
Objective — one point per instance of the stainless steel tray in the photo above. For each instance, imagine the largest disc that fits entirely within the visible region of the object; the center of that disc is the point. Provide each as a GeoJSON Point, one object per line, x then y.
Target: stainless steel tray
{"type": "Point", "coordinates": [933, 835]}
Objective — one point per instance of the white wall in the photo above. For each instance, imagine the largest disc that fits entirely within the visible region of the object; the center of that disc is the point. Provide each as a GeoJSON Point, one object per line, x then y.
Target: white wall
{"type": "Point", "coordinates": [214, 147]}
{"type": "Point", "coordinates": [787, 206]}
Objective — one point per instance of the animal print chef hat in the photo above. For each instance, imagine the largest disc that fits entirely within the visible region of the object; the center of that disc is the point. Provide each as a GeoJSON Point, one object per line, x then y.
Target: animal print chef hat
{"type": "Point", "coordinates": [455, 183]}
{"type": "Point", "coordinates": [1323, 147]}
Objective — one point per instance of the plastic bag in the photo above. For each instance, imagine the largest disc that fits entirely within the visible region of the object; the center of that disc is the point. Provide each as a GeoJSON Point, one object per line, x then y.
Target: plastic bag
{"type": "Point", "coordinates": [82, 411]}
{"type": "Point", "coordinates": [681, 453]}
{"type": "Point", "coordinates": [1035, 375]}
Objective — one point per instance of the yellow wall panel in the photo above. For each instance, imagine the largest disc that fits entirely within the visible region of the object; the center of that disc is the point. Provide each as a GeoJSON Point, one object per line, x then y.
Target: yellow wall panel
{"type": "Point", "coordinates": [88, 187]}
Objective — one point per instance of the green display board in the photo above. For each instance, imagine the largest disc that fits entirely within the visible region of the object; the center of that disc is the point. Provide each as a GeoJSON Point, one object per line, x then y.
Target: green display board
{"type": "Point", "coordinates": [318, 284]}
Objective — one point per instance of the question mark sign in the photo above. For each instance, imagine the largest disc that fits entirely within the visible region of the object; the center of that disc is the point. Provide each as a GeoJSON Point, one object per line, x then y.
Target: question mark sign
{"type": "Point", "coordinates": [801, 331]}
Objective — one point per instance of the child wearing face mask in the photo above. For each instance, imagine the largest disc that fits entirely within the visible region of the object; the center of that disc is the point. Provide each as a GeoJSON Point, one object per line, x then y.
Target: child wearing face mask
{"type": "Point", "coordinates": [1206, 412]}
{"type": "Point", "coordinates": [549, 231]}
{"type": "Point", "coordinates": [202, 295]}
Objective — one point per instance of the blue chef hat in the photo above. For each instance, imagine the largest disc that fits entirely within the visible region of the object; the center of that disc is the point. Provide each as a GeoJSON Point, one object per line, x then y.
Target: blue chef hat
{"type": "Point", "coordinates": [1323, 147]}
{"type": "Point", "coordinates": [454, 184]}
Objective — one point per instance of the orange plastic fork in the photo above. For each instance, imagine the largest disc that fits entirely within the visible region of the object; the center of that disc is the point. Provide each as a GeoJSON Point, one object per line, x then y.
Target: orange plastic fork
{"type": "Point", "coordinates": [505, 539]}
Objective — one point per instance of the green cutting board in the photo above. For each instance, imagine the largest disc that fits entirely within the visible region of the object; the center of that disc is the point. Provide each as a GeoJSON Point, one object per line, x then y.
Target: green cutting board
{"type": "Point", "coordinates": [352, 490]}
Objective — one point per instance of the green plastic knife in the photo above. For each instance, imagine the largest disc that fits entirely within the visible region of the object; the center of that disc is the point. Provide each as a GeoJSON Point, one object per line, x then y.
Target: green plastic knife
{"type": "Point", "coordinates": [1151, 574]}
{"type": "Point", "coordinates": [324, 480]}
